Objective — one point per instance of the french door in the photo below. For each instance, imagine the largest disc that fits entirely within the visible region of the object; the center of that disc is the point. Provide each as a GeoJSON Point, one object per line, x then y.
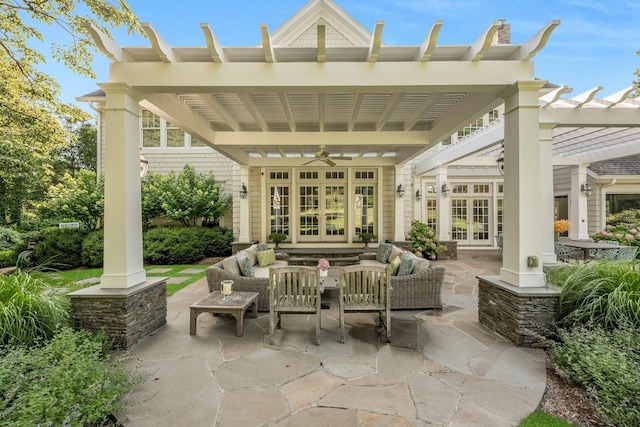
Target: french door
{"type": "Point", "coordinates": [322, 213]}
{"type": "Point", "coordinates": [470, 220]}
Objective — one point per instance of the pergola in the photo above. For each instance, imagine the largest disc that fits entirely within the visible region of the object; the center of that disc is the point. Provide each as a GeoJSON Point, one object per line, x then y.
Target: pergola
{"type": "Point", "coordinates": [322, 80]}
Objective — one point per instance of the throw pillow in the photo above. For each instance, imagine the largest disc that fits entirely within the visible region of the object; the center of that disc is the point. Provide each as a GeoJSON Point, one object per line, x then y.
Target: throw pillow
{"type": "Point", "coordinates": [421, 265]}
{"type": "Point", "coordinates": [230, 264]}
{"type": "Point", "coordinates": [406, 264]}
{"type": "Point", "coordinates": [395, 253]}
{"type": "Point", "coordinates": [263, 247]}
{"type": "Point", "coordinates": [394, 266]}
{"type": "Point", "coordinates": [266, 258]}
{"type": "Point", "coordinates": [252, 253]}
{"type": "Point", "coordinates": [384, 250]}
{"type": "Point", "coordinates": [246, 267]}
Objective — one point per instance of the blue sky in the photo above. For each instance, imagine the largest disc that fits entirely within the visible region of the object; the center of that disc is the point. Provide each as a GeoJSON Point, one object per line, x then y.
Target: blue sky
{"type": "Point", "coordinates": [595, 44]}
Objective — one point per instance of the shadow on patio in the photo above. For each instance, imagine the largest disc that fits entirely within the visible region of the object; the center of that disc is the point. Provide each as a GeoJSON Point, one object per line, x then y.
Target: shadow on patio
{"type": "Point", "coordinates": [442, 368]}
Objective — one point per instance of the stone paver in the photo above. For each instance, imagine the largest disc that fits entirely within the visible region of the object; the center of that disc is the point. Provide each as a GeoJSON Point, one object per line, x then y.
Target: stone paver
{"type": "Point", "coordinates": [191, 271]}
{"type": "Point", "coordinates": [176, 280]}
{"type": "Point", "coordinates": [158, 270]}
{"type": "Point", "coordinates": [444, 369]}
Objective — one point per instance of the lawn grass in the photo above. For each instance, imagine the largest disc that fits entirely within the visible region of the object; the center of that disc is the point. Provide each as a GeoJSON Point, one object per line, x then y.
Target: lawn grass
{"type": "Point", "coordinates": [70, 277]}
{"type": "Point", "coordinates": [541, 419]}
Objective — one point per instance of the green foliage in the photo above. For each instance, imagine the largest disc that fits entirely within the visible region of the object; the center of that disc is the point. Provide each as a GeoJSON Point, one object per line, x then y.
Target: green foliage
{"type": "Point", "coordinates": [367, 237]}
{"type": "Point", "coordinates": [61, 247]}
{"type": "Point", "coordinates": [8, 258]}
{"type": "Point", "coordinates": [30, 309]}
{"type": "Point", "coordinates": [71, 381]}
{"type": "Point", "coordinates": [187, 197]}
{"type": "Point", "coordinates": [32, 129]}
{"type": "Point", "coordinates": [80, 153]}
{"type": "Point", "coordinates": [77, 198]}
{"type": "Point", "coordinates": [606, 294]}
{"type": "Point", "coordinates": [541, 419]}
{"type": "Point", "coordinates": [277, 238]}
{"type": "Point", "coordinates": [184, 245]}
{"type": "Point", "coordinates": [628, 216]}
{"type": "Point", "coordinates": [8, 238]}
{"type": "Point", "coordinates": [607, 363]}
{"type": "Point", "coordinates": [93, 249]}
{"type": "Point", "coordinates": [423, 239]}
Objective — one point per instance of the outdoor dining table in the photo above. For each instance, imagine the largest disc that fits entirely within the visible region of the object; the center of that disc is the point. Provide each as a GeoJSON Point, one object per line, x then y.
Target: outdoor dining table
{"type": "Point", "coordinates": [586, 246]}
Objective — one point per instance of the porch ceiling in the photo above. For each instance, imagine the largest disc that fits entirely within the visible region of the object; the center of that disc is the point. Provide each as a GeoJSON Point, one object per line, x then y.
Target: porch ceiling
{"type": "Point", "coordinates": [277, 104]}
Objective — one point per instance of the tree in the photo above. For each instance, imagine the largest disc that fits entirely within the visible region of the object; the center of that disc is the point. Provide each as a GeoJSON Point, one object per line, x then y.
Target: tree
{"type": "Point", "coordinates": [77, 198]}
{"type": "Point", "coordinates": [32, 127]}
{"type": "Point", "coordinates": [80, 153]}
{"type": "Point", "coordinates": [187, 197]}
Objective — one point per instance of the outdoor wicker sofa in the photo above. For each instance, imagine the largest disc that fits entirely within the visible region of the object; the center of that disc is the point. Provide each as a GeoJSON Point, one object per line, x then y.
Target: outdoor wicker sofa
{"type": "Point", "coordinates": [421, 289]}
{"type": "Point", "coordinates": [260, 283]}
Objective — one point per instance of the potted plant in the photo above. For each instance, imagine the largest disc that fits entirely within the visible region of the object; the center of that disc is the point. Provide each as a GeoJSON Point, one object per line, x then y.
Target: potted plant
{"type": "Point", "coordinates": [366, 238]}
{"type": "Point", "coordinates": [277, 238]}
{"type": "Point", "coordinates": [323, 266]}
{"type": "Point", "coordinates": [424, 240]}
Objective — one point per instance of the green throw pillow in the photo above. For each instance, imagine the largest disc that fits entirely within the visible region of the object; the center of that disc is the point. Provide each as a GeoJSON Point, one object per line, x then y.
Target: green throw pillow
{"type": "Point", "coordinates": [384, 250]}
{"type": "Point", "coordinates": [266, 258]}
{"type": "Point", "coordinates": [406, 264]}
{"type": "Point", "coordinates": [246, 267]}
{"type": "Point", "coordinates": [394, 266]}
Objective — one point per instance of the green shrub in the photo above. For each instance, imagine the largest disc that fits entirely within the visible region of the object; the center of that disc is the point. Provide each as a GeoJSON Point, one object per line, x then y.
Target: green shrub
{"type": "Point", "coordinates": [217, 241]}
{"type": "Point", "coordinates": [540, 419]}
{"type": "Point", "coordinates": [424, 240]}
{"type": "Point", "coordinates": [172, 245]}
{"type": "Point", "coordinates": [8, 258]}
{"type": "Point", "coordinates": [8, 238]}
{"type": "Point", "coordinates": [71, 381]}
{"type": "Point", "coordinates": [629, 216]}
{"type": "Point", "coordinates": [30, 309]}
{"type": "Point", "coordinates": [93, 249]}
{"type": "Point", "coordinates": [607, 364]}
{"type": "Point", "coordinates": [606, 294]}
{"type": "Point", "coordinates": [61, 247]}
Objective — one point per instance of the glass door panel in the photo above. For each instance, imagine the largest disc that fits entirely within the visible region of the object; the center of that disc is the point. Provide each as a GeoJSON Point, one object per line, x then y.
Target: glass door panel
{"type": "Point", "coordinates": [309, 224]}
{"type": "Point", "coordinates": [333, 218]}
{"type": "Point", "coordinates": [459, 219]}
{"type": "Point", "coordinates": [480, 221]}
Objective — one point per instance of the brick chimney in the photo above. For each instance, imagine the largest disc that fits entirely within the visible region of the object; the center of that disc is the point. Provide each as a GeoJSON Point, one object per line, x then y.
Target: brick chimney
{"type": "Point", "coordinates": [503, 35]}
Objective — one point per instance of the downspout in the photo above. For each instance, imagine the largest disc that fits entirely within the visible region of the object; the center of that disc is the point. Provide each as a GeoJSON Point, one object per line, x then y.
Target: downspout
{"type": "Point", "coordinates": [98, 137]}
{"type": "Point", "coordinates": [603, 207]}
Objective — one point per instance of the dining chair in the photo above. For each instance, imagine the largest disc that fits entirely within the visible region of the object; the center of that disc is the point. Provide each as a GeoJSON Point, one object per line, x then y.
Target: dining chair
{"type": "Point", "coordinates": [293, 290]}
{"type": "Point", "coordinates": [565, 253]}
{"type": "Point", "coordinates": [366, 288]}
{"type": "Point", "coordinates": [499, 244]}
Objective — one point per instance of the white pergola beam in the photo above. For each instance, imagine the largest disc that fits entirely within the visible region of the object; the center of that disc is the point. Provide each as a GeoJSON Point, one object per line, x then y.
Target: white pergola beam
{"type": "Point", "coordinates": [393, 102]}
{"type": "Point", "coordinates": [254, 111]}
{"type": "Point", "coordinates": [105, 44]}
{"type": "Point", "coordinates": [216, 51]}
{"type": "Point", "coordinates": [376, 42]}
{"type": "Point", "coordinates": [215, 105]}
{"type": "Point", "coordinates": [321, 112]}
{"type": "Point", "coordinates": [591, 117]}
{"type": "Point", "coordinates": [585, 97]}
{"type": "Point", "coordinates": [553, 96]}
{"type": "Point", "coordinates": [415, 117]}
{"type": "Point", "coordinates": [618, 97]}
{"type": "Point", "coordinates": [288, 112]}
{"type": "Point", "coordinates": [482, 45]}
{"type": "Point", "coordinates": [429, 43]}
{"type": "Point", "coordinates": [357, 104]}
{"type": "Point", "coordinates": [322, 42]}
{"type": "Point", "coordinates": [528, 50]}
{"type": "Point", "coordinates": [267, 47]}
{"type": "Point", "coordinates": [161, 47]}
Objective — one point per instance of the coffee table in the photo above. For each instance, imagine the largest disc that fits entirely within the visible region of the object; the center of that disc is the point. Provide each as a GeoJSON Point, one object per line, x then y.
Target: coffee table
{"type": "Point", "coordinates": [330, 281]}
{"type": "Point", "coordinates": [235, 304]}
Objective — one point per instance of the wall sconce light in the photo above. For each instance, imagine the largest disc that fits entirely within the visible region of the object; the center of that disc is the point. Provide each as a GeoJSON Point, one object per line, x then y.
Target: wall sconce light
{"type": "Point", "coordinates": [445, 190]}
{"type": "Point", "coordinates": [586, 189]}
{"type": "Point", "coordinates": [243, 191]}
{"type": "Point", "coordinates": [144, 165]}
{"type": "Point", "coordinates": [500, 161]}
{"type": "Point", "coordinates": [418, 195]}
{"type": "Point", "coordinates": [400, 191]}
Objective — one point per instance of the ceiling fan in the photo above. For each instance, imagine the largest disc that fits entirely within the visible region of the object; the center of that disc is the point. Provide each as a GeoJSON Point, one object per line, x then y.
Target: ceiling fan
{"type": "Point", "coordinates": [323, 156]}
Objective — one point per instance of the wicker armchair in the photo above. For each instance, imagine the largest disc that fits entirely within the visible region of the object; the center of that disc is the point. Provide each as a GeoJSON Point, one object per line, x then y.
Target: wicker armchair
{"type": "Point", "coordinates": [216, 273]}
{"type": "Point", "coordinates": [418, 290]}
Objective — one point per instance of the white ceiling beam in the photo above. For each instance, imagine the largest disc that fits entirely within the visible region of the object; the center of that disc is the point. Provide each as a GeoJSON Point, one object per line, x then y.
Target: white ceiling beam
{"type": "Point", "coordinates": [376, 42]}
{"type": "Point", "coordinates": [590, 156]}
{"type": "Point", "coordinates": [322, 42]}
{"type": "Point", "coordinates": [393, 102]}
{"type": "Point", "coordinates": [301, 77]}
{"type": "Point", "coordinates": [553, 96]}
{"type": "Point", "coordinates": [366, 140]}
{"type": "Point", "coordinates": [161, 47]}
{"type": "Point", "coordinates": [585, 97]}
{"type": "Point", "coordinates": [429, 43]}
{"type": "Point", "coordinates": [213, 46]}
{"type": "Point", "coordinates": [591, 117]}
{"type": "Point", "coordinates": [357, 104]}
{"type": "Point", "coordinates": [254, 111]}
{"type": "Point", "coordinates": [321, 112]}
{"type": "Point", "coordinates": [267, 47]}
{"type": "Point", "coordinates": [216, 106]}
{"type": "Point", "coordinates": [528, 50]}
{"type": "Point", "coordinates": [288, 112]}
{"type": "Point", "coordinates": [415, 117]}
{"type": "Point", "coordinates": [104, 43]}
{"type": "Point", "coordinates": [482, 45]}
{"type": "Point", "coordinates": [172, 109]}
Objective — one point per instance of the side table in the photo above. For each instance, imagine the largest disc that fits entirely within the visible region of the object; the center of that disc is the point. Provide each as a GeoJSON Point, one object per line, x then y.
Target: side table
{"type": "Point", "coordinates": [235, 304]}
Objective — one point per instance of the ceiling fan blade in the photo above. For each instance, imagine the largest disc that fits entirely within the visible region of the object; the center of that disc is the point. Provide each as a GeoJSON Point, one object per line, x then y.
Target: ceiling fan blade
{"type": "Point", "coordinates": [329, 162]}
{"type": "Point", "coordinates": [340, 158]}
{"type": "Point", "coordinates": [311, 161]}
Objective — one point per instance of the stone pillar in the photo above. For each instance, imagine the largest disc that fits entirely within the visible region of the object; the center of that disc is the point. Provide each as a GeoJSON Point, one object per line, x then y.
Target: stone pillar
{"type": "Point", "coordinates": [523, 219]}
{"type": "Point", "coordinates": [546, 183]}
{"type": "Point", "coordinates": [123, 266]}
{"type": "Point", "coordinates": [578, 212]}
{"type": "Point", "coordinates": [443, 206]}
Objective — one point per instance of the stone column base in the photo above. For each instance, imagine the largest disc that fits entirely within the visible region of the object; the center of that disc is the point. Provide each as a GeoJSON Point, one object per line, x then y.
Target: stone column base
{"type": "Point", "coordinates": [522, 315]}
{"type": "Point", "coordinates": [126, 315]}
